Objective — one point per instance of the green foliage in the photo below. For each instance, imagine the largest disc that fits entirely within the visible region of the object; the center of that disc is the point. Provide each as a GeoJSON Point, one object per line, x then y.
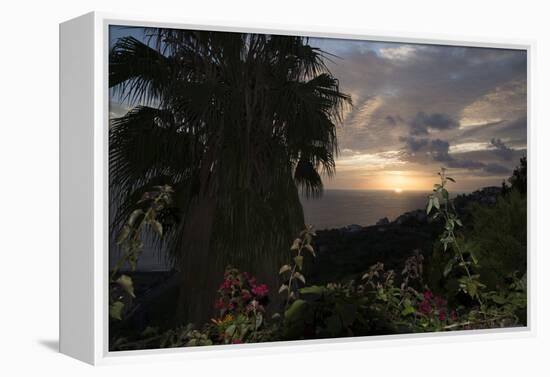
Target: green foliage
{"type": "Point", "coordinates": [518, 180]}
{"type": "Point", "coordinates": [293, 271]}
{"type": "Point", "coordinates": [482, 249]}
{"type": "Point", "coordinates": [129, 238]}
{"type": "Point", "coordinates": [498, 237]}
{"type": "Point", "coordinates": [468, 283]}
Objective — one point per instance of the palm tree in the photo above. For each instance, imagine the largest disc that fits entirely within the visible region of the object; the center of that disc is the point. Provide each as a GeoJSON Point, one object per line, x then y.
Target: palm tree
{"type": "Point", "coordinates": [237, 124]}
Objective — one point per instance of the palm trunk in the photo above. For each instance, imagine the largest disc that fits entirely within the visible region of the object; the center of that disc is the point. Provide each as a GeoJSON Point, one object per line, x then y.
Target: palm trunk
{"type": "Point", "coordinates": [197, 265]}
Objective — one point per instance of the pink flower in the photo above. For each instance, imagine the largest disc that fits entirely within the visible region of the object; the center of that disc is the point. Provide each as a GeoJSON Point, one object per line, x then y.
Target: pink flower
{"type": "Point", "coordinates": [245, 296]}
{"type": "Point", "coordinates": [425, 307]}
{"type": "Point", "coordinates": [236, 341]}
{"type": "Point", "coordinates": [260, 290]}
{"type": "Point", "coordinates": [226, 284]}
{"type": "Point", "coordinates": [442, 316]}
{"type": "Point", "coordinates": [428, 295]}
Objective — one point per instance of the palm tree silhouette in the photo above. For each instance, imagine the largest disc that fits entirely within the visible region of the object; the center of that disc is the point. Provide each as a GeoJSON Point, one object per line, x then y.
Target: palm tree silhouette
{"type": "Point", "coordinates": [237, 124]}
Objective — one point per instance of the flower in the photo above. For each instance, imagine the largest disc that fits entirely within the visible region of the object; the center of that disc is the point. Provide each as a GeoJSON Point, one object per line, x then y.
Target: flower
{"type": "Point", "coordinates": [442, 316]}
{"type": "Point", "coordinates": [428, 295]}
{"type": "Point", "coordinates": [260, 290]}
{"type": "Point", "coordinates": [236, 341]}
{"type": "Point", "coordinates": [425, 307]}
{"type": "Point", "coordinates": [245, 295]}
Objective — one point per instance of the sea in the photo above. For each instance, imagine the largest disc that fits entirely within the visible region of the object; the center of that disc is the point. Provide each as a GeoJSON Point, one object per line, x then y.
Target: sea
{"type": "Point", "coordinates": [339, 208]}
{"type": "Point", "coordinates": [334, 209]}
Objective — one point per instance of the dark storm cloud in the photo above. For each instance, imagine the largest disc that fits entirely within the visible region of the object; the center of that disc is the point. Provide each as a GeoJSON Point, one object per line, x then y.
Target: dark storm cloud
{"type": "Point", "coordinates": [423, 122]}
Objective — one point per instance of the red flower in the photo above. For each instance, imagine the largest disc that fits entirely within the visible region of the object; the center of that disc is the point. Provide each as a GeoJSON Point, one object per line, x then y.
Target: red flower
{"type": "Point", "coordinates": [260, 290]}
{"type": "Point", "coordinates": [428, 295]}
{"type": "Point", "coordinates": [442, 316]}
{"type": "Point", "coordinates": [236, 341]}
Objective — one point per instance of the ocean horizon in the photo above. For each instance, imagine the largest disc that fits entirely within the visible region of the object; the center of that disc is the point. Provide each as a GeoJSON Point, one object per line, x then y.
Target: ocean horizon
{"type": "Point", "coordinates": [335, 209]}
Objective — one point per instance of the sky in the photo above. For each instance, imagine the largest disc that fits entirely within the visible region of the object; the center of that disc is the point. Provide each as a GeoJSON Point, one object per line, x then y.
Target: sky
{"type": "Point", "coordinates": [417, 108]}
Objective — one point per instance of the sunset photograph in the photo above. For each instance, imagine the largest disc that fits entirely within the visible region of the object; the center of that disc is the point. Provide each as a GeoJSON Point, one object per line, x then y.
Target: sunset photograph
{"type": "Point", "coordinates": [268, 188]}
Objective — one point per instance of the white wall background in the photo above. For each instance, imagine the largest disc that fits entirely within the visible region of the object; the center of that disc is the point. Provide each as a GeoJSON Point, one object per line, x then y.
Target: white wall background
{"type": "Point", "coordinates": [29, 183]}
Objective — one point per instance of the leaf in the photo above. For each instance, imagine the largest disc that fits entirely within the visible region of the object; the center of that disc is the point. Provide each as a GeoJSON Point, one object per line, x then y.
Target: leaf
{"type": "Point", "coordinates": [259, 320]}
{"type": "Point", "coordinates": [123, 235]}
{"type": "Point", "coordinates": [157, 226]}
{"type": "Point", "coordinates": [429, 207]}
{"type": "Point", "coordinates": [300, 277]}
{"type": "Point", "coordinates": [436, 202]}
{"type": "Point", "coordinates": [458, 222]}
{"type": "Point", "coordinates": [471, 288]}
{"type": "Point", "coordinates": [474, 258]}
{"type": "Point", "coordinates": [284, 269]}
{"type": "Point", "coordinates": [295, 309]}
{"type": "Point", "coordinates": [283, 288]}
{"type": "Point", "coordinates": [296, 244]}
{"type": "Point", "coordinates": [115, 310]}
{"type": "Point", "coordinates": [126, 283]}
{"type": "Point", "coordinates": [313, 290]}
{"type": "Point", "coordinates": [230, 331]}
{"type": "Point", "coordinates": [134, 216]}
{"type": "Point", "coordinates": [451, 179]}
{"type": "Point", "coordinates": [448, 267]}
{"type": "Point", "coordinates": [310, 249]}
{"type": "Point", "coordinates": [299, 260]}
{"type": "Point", "coordinates": [408, 310]}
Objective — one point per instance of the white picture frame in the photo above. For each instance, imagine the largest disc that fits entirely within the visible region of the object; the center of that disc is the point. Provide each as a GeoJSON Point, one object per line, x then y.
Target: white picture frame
{"type": "Point", "coordinates": [84, 105]}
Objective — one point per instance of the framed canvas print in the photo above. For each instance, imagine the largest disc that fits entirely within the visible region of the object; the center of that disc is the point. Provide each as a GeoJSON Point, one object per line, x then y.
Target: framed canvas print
{"type": "Point", "coordinates": [229, 188]}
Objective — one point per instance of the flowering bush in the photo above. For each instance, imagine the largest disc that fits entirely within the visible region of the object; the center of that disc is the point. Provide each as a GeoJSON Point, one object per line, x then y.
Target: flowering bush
{"type": "Point", "coordinates": [241, 306]}
{"type": "Point", "coordinates": [239, 292]}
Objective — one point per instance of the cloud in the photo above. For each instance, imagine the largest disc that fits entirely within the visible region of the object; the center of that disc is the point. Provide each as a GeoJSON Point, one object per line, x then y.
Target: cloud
{"type": "Point", "coordinates": [393, 120]}
{"type": "Point", "coordinates": [423, 122]}
{"type": "Point", "coordinates": [496, 169]}
{"type": "Point", "coordinates": [413, 144]}
{"type": "Point", "coordinates": [501, 149]}
{"type": "Point", "coordinates": [436, 104]}
{"type": "Point", "coordinates": [439, 149]}
{"type": "Point", "coordinates": [399, 52]}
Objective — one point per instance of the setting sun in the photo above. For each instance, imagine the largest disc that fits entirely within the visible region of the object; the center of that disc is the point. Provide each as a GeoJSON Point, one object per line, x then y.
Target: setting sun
{"type": "Point", "coordinates": [398, 190]}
